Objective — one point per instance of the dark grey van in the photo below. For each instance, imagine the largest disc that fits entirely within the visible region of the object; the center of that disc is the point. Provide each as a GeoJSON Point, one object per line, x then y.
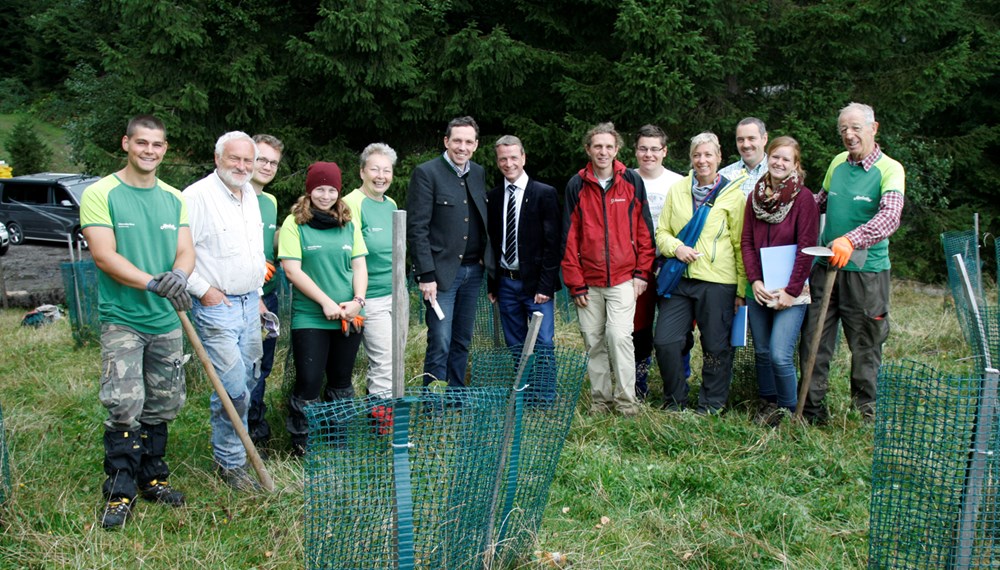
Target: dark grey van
{"type": "Point", "coordinates": [43, 206]}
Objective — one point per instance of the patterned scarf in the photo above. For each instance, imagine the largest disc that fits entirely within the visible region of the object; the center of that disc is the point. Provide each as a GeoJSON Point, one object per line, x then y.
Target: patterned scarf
{"type": "Point", "coordinates": [771, 204]}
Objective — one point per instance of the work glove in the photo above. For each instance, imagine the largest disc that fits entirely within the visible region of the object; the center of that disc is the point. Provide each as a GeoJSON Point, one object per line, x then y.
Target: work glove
{"type": "Point", "coordinates": [155, 282]}
{"type": "Point", "coordinates": [382, 418]}
{"type": "Point", "coordinates": [181, 301]}
{"type": "Point", "coordinates": [173, 283]}
{"type": "Point", "coordinates": [842, 250]}
{"type": "Point", "coordinates": [355, 325]}
{"type": "Point", "coordinates": [269, 273]}
{"type": "Point", "coordinates": [270, 327]}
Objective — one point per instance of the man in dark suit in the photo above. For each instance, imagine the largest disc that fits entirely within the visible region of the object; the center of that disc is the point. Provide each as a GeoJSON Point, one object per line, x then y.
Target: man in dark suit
{"type": "Point", "coordinates": [448, 243]}
{"type": "Point", "coordinates": [525, 228]}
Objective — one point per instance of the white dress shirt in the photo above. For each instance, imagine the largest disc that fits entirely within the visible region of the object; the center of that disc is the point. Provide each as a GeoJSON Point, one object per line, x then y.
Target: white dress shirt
{"type": "Point", "coordinates": [228, 238]}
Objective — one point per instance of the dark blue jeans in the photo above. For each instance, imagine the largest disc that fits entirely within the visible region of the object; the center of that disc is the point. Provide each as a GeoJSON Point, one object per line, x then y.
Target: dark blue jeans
{"type": "Point", "coordinates": [448, 339]}
{"type": "Point", "coordinates": [257, 424]}
{"type": "Point", "coordinates": [516, 308]}
{"type": "Point", "coordinates": [775, 335]}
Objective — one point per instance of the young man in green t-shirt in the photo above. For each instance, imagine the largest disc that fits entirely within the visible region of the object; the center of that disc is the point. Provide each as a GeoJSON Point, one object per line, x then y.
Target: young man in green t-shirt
{"type": "Point", "coordinates": [269, 152]}
{"type": "Point", "coordinates": [138, 233]}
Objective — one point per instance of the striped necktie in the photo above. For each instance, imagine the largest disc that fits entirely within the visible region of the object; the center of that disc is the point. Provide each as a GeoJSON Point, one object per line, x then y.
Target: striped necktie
{"type": "Point", "coordinates": [510, 252]}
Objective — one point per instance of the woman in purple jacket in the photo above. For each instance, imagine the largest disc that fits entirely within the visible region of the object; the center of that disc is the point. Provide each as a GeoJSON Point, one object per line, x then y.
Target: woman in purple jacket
{"type": "Point", "coordinates": [780, 211]}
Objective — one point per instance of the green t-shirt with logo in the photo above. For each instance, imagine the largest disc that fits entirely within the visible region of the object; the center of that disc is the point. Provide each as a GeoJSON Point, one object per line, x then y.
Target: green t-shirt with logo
{"type": "Point", "coordinates": [375, 219]}
{"type": "Point", "coordinates": [853, 197]}
{"type": "Point", "coordinates": [145, 222]}
{"type": "Point", "coordinates": [269, 215]}
{"type": "Point", "coordinates": [326, 258]}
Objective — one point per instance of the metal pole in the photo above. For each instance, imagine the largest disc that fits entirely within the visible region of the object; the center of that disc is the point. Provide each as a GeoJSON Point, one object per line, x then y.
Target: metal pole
{"type": "Point", "coordinates": [400, 302]}
{"type": "Point", "coordinates": [975, 252]}
{"type": "Point", "coordinates": [534, 325]}
{"type": "Point", "coordinates": [975, 473]}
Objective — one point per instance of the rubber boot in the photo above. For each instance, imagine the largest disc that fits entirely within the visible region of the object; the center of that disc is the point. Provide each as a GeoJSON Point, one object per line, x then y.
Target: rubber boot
{"type": "Point", "coordinates": [338, 431]}
{"type": "Point", "coordinates": [297, 425]}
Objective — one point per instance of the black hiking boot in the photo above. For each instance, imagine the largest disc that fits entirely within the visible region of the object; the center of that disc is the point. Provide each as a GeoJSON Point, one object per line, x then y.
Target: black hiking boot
{"type": "Point", "coordinates": [116, 512]}
{"type": "Point", "coordinates": [161, 492]}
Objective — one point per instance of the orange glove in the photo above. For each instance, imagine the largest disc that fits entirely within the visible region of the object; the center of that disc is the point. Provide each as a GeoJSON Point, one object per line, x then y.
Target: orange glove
{"type": "Point", "coordinates": [842, 250]}
{"type": "Point", "coordinates": [382, 418]}
{"type": "Point", "coordinates": [270, 271]}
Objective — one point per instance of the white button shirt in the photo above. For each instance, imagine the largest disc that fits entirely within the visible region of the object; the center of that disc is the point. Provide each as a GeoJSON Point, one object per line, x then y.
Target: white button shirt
{"type": "Point", "coordinates": [228, 238]}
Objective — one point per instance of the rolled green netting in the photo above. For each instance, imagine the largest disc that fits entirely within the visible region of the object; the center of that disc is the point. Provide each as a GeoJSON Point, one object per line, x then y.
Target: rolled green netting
{"type": "Point", "coordinates": [743, 387]}
{"type": "Point", "coordinates": [544, 406]}
{"type": "Point", "coordinates": [4, 463]}
{"type": "Point", "coordinates": [487, 333]}
{"type": "Point", "coordinates": [80, 284]}
{"type": "Point", "coordinates": [923, 472]}
{"type": "Point", "coordinates": [564, 306]}
{"type": "Point", "coordinates": [412, 491]}
{"type": "Point", "coordinates": [962, 243]}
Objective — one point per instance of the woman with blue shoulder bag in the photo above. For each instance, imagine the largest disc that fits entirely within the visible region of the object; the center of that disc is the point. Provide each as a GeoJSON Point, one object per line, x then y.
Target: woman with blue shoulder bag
{"type": "Point", "coordinates": [702, 281]}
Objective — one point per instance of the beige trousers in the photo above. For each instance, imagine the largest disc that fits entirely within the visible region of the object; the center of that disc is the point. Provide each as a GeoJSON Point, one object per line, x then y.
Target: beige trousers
{"type": "Point", "coordinates": [606, 326]}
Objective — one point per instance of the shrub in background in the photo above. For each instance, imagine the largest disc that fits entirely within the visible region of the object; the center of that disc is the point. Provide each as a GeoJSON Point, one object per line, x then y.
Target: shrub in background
{"type": "Point", "coordinates": [28, 153]}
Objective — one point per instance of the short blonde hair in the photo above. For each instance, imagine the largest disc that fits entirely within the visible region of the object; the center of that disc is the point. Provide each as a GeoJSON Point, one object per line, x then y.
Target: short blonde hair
{"type": "Point", "coordinates": [705, 138]}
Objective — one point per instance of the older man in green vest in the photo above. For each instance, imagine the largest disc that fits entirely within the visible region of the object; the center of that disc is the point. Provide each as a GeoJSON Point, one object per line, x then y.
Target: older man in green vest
{"type": "Point", "coordinates": [863, 198]}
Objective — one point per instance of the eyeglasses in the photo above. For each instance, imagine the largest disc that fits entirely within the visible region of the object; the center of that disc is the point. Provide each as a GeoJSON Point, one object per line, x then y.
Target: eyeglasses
{"type": "Point", "coordinates": [264, 162]}
{"type": "Point", "coordinates": [652, 149]}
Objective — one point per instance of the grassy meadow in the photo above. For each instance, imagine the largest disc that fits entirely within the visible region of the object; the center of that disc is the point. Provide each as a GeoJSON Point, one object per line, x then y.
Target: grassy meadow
{"type": "Point", "coordinates": [655, 491]}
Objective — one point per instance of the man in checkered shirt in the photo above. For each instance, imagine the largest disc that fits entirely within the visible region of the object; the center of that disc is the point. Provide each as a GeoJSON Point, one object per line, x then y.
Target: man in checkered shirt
{"type": "Point", "coordinates": [862, 196]}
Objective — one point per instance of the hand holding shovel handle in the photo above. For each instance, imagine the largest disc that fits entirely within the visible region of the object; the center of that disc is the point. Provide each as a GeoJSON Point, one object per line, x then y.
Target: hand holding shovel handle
{"type": "Point", "coordinates": [227, 404]}
{"type": "Point", "coordinates": [858, 257]}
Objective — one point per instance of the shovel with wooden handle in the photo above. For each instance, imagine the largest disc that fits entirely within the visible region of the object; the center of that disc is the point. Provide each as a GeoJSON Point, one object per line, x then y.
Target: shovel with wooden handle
{"type": "Point", "coordinates": [858, 257]}
{"type": "Point", "coordinates": [227, 404]}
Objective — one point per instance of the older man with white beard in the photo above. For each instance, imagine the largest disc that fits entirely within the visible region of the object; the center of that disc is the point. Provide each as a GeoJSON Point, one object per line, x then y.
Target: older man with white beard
{"type": "Point", "coordinates": [228, 274]}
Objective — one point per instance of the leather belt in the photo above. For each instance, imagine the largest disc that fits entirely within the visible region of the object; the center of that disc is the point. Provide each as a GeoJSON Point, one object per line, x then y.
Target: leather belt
{"type": "Point", "coordinates": [510, 274]}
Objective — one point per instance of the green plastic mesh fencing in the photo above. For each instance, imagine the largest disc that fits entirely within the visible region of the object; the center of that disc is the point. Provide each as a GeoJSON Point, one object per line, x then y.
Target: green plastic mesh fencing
{"type": "Point", "coordinates": [743, 387]}
{"type": "Point", "coordinates": [542, 414]}
{"type": "Point", "coordinates": [564, 306]}
{"type": "Point", "coordinates": [448, 476]}
{"type": "Point", "coordinates": [80, 284]}
{"type": "Point", "coordinates": [964, 243]}
{"type": "Point", "coordinates": [4, 463]}
{"type": "Point", "coordinates": [934, 503]}
{"type": "Point", "coordinates": [413, 495]}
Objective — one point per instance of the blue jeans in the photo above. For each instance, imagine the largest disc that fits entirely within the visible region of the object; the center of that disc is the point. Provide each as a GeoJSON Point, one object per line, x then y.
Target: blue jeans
{"type": "Point", "coordinates": [260, 430]}
{"type": "Point", "coordinates": [774, 339]}
{"type": "Point", "coordinates": [231, 335]}
{"type": "Point", "coordinates": [448, 339]}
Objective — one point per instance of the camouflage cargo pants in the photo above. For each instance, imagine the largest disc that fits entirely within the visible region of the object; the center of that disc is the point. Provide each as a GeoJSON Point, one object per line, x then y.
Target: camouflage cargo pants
{"type": "Point", "coordinates": [142, 376]}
